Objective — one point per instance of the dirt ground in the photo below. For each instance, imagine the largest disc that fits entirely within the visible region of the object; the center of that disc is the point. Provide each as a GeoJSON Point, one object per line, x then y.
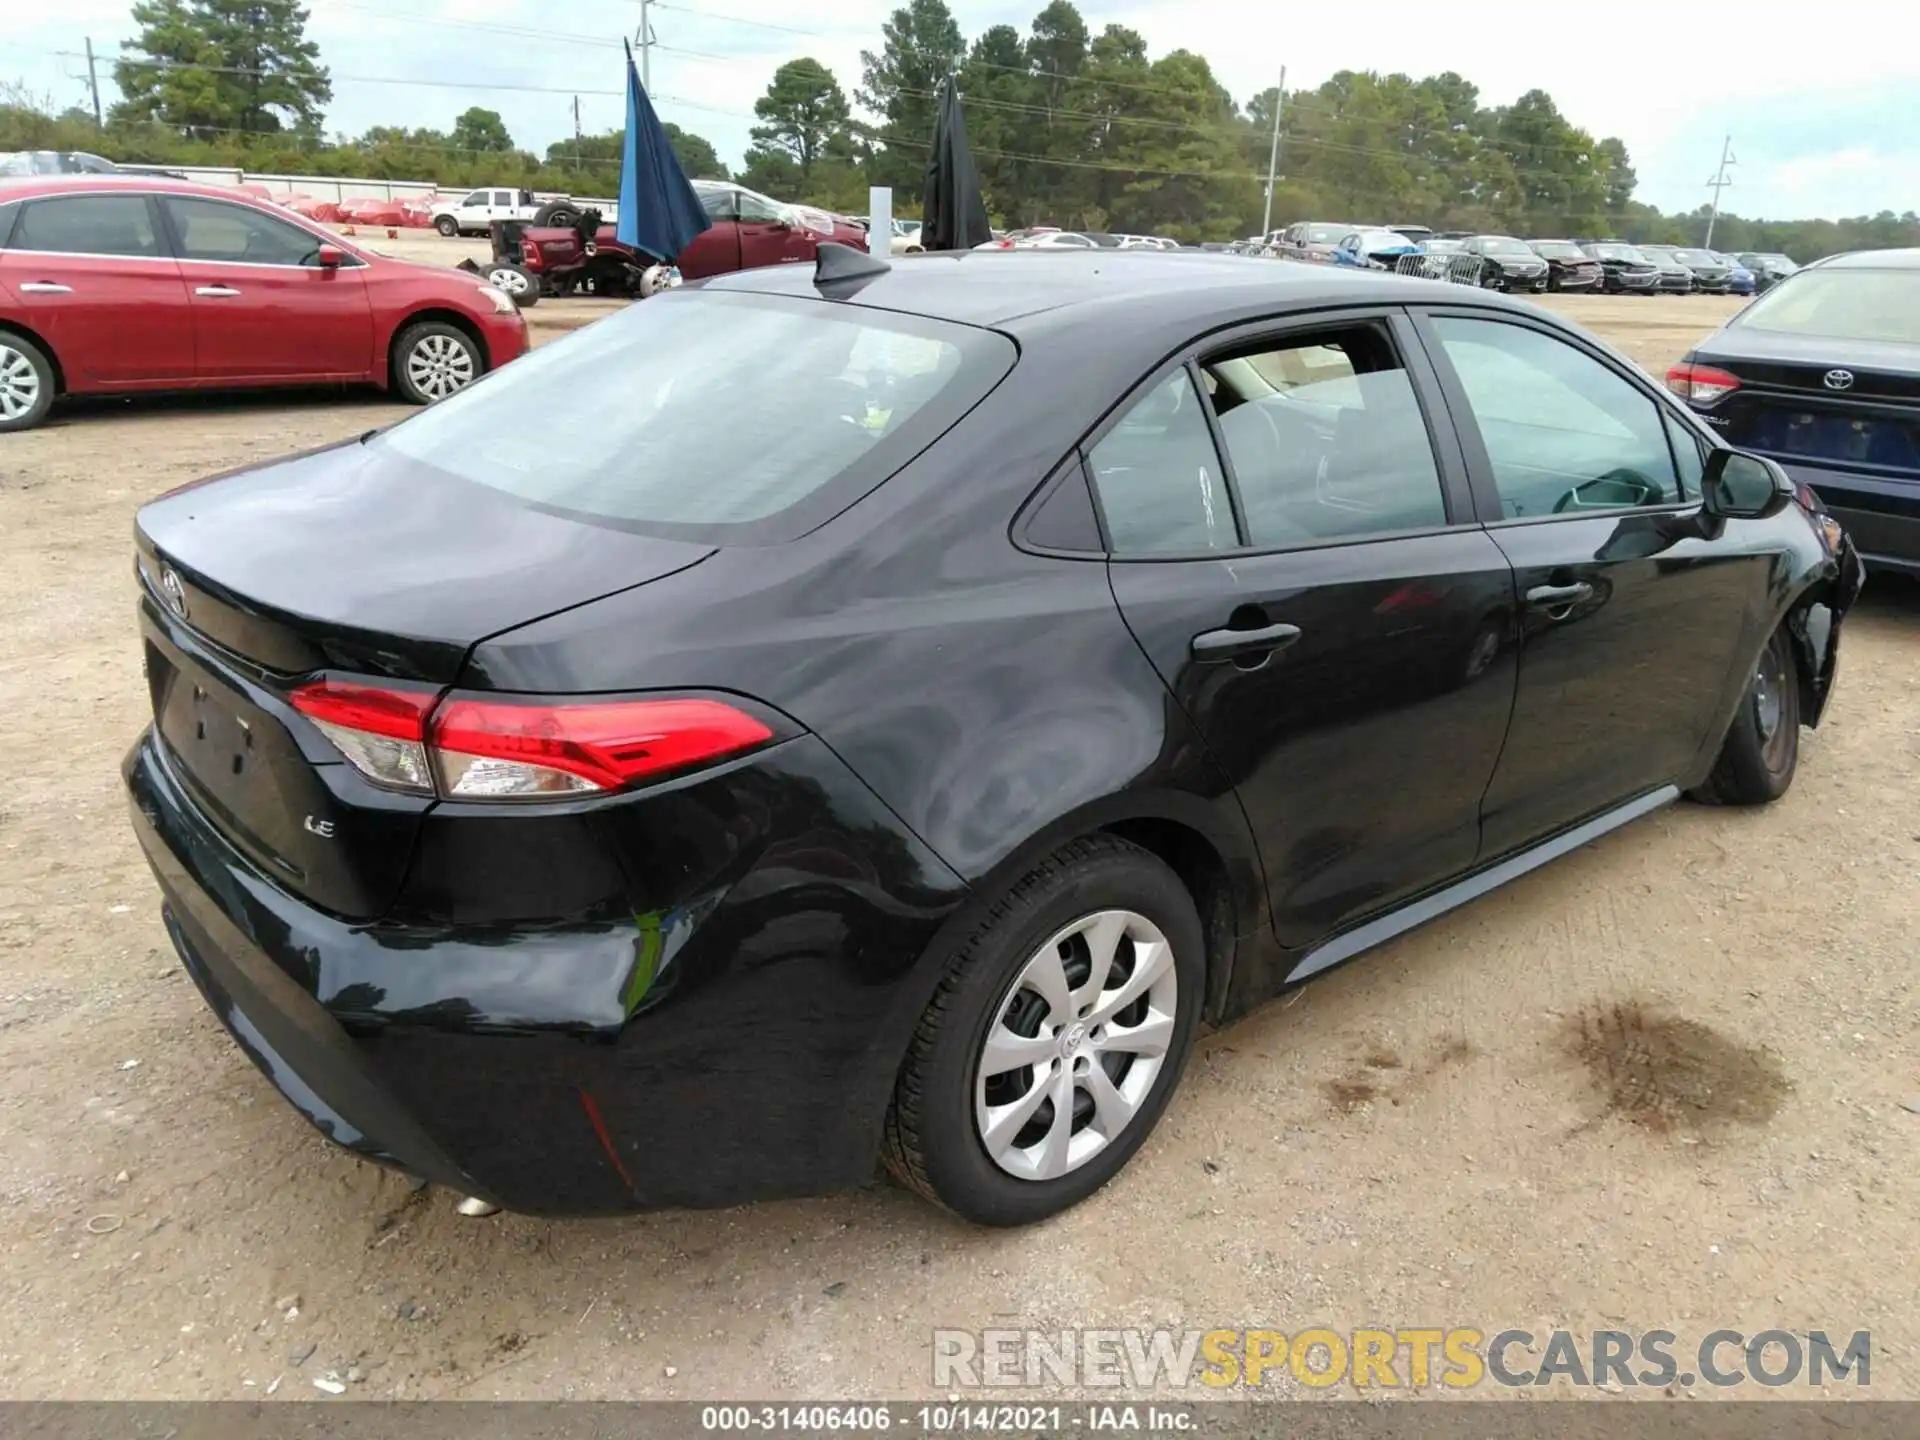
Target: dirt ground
{"type": "Point", "coordinates": [1656, 1084]}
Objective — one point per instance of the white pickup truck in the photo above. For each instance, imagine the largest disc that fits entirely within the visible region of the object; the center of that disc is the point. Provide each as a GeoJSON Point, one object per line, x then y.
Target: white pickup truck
{"type": "Point", "coordinates": [471, 214]}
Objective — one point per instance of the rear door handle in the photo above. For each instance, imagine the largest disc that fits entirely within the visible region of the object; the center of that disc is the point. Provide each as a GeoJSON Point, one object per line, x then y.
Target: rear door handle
{"type": "Point", "coordinates": [1558, 597]}
{"type": "Point", "coordinates": [1231, 644]}
{"type": "Point", "coordinates": [45, 287]}
{"type": "Point", "coordinates": [217, 291]}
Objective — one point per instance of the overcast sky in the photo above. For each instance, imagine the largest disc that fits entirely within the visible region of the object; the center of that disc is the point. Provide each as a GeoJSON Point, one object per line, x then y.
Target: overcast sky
{"type": "Point", "coordinates": [1825, 116]}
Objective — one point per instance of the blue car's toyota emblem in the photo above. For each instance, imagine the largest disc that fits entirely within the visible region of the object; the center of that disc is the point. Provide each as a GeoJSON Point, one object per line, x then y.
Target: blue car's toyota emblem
{"type": "Point", "coordinates": [1838, 379]}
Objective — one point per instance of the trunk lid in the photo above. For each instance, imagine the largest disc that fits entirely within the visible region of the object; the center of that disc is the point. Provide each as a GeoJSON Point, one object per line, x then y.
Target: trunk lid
{"type": "Point", "coordinates": [1787, 406]}
{"type": "Point", "coordinates": [356, 562]}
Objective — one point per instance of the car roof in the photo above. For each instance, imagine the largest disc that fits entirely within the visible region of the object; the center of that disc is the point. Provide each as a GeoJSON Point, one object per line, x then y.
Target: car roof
{"type": "Point", "coordinates": [1871, 260]}
{"type": "Point", "coordinates": [17, 187]}
{"type": "Point", "coordinates": [1032, 291]}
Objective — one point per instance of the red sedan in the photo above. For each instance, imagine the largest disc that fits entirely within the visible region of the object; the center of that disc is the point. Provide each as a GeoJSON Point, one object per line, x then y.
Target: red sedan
{"type": "Point", "coordinates": [115, 284]}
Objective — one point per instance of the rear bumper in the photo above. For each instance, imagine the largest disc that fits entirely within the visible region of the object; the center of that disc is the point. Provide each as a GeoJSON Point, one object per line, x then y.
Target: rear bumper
{"type": "Point", "coordinates": [740, 1045]}
{"type": "Point", "coordinates": [1880, 515]}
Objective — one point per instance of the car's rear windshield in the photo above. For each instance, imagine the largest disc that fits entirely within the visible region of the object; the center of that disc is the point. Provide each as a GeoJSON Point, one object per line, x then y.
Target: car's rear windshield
{"type": "Point", "coordinates": [1324, 234]}
{"type": "Point", "coordinates": [1842, 305]}
{"type": "Point", "coordinates": [711, 416]}
{"type": "Point", "coordinates": [1696, 257]}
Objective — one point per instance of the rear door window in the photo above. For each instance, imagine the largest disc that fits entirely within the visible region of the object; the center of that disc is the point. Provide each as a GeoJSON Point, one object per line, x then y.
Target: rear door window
{"type": "Point", "coordinates": [1158, 476]}
{"type": "Point", "coordinates": [88, 225]}
{"type": "Point", "coordinates": [710, 415]}
{"type": "Point", "coordinates": [1326, 439]}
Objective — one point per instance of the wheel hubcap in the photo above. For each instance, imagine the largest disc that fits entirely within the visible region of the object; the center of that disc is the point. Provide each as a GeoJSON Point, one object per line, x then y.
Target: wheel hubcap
{"type": "Point", "coordinates": [19, 384]}
{"type": "Point", "coordinates": [512, 281]}
{"type": "Point", "coordinates": [1770, 718]}
{"type": "Point", "coordinates": [439, 365]}
{"type": "Point", "coordinates": [1076, 1045]}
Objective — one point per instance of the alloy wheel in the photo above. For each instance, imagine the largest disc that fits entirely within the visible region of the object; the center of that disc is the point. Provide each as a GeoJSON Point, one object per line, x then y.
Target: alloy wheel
{"type": "Point", "coordinates": [19, 384]}
{"type": "Point", "coordinates": [514, 282]}
{"type": "Point", "coordinates": [438, 365]}
{"type": "Point", "coordinates": [1076, 1045]}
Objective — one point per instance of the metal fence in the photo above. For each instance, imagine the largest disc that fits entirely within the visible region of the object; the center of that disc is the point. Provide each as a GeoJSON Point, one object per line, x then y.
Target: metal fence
{"type": "Point", "coordinates": [1457, 269]}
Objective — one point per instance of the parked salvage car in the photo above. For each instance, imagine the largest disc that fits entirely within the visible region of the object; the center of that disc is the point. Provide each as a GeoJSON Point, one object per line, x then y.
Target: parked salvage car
{"type": "Point", "coordinates": [1510, 264]}
{"type": "Point", "coordinates": [1769, 269]}
{"type": "Point", "coordinates": [116, 284]}
{"type": "Point", "coordinates": [1822, 373]}
{"type": "Point", "coordinates": [1710, 272]}
{"type": "Point", "coordinates": [1672, 275]}
{"type": "Point", "coordinates": [1740, 280]}
{"type": "Point", "coordinates": [1623, 269]}
{"type": "Point", "coordinates": [1569, 267]}
{"type": "Point", "coordinates": [1372, 249]}
{"type": "Point", "coordinates": [636, 831]}
{"type": "Point", "coordinates": [1311, 240]}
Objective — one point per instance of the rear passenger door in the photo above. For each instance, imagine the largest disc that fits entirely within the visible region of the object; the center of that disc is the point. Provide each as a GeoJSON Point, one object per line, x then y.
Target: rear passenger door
{"type": "Point", "coordinates": [1293, 544]}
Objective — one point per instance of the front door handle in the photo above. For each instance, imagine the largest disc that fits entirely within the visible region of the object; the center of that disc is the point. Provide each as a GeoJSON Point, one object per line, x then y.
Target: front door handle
{"type": "Point", "coordinates": [1232, 644]}
{"type": "Point", "coordinates": [45, 287]}
{"type": "Point", "coordinates": [1559, 597]}
{"type": "Point", "coordinates": [216, 291]}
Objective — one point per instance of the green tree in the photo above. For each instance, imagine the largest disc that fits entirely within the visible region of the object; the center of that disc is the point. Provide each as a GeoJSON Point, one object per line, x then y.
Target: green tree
{"type": "Point", "coordinates": [208, 67]}
{"type": "Point", "coordinates": [804, 115]}
{"type": "Point", "coordinates": [599, 155]}
{"type": "Point", "coordinates": [481, 129]}
{"type": "Point", "coordinates": [920, 45]}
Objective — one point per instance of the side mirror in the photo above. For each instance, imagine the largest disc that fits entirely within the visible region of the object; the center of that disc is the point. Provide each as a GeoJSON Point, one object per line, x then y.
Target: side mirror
{"type": "Point", "coordinates": [330, 257]}
{"type": "Point", "coordinates": [1739, 486]}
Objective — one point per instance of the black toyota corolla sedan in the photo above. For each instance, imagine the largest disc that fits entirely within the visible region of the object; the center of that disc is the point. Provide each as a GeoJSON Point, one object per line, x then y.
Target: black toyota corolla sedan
{"type": "Point", "coordinates": [852, 713]}
{"type": "Point", "coordinates": [1822, 373]}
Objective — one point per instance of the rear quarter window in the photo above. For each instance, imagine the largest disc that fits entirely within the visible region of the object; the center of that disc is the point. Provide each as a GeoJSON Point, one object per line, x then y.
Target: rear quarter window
{"type": "Point", "coordinates": [728, 418]}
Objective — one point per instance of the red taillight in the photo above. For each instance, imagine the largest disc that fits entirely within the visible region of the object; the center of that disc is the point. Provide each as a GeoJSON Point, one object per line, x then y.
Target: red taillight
{"type": "Point", "coordinates": [529, 254]}
{"type": "Point", "coordinates": [381, 732]}
{"type": "Point", "coordinates": [397, 714]}
{"type": "Point", "coordinates": [496, 748]}
{"type": "Point", "coordinates": [514, 749]}
{"type": "Point", "coordinates": [1702, 384]}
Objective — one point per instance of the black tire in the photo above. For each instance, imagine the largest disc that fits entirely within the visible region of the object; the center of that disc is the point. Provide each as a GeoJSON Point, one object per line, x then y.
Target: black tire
{"type": "Point", "coordinates": [447, 226]}
{"type": "Point", "coordinates": [1762, 749]}
{"type": "Point", "coordinates": [27, 382]}
{"type": "Point", "coordinates": [432, 339]}
{"type": "Point", "coordinates": [557, 212]}
{"type": "Point", "coordinates": [516, 282]}
{"type": "Point", "coordinates": [932, 1142]}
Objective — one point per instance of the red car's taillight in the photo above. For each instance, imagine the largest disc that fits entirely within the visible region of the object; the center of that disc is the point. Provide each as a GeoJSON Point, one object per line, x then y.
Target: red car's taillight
{"type": "Point", "coordinates": [1702, 384]}
{"type": "Point", "coordinates": [529, 254]}
{"type": "Point", "coordinates": [521, 749]}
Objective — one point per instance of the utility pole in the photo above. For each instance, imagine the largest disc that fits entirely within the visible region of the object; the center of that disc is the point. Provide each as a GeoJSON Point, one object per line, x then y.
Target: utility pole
{"type": "Point", "coordinates": [93, 84]}
{"type": "Point", "coordinates": [1719, 182]}
{"type": "Point", "coordinates": [1273, 153]}
{"type": "Point", "coordinates": [645, 42]}
{"type": "Point", "coordinates": [576, 119]}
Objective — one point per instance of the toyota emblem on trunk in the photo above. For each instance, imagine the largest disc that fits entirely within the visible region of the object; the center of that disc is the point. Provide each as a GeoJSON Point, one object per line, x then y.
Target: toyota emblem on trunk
{"type": "Point", "coordinates": [1838, 379]}
{"type": "Point", "coordinates": [173, 591]}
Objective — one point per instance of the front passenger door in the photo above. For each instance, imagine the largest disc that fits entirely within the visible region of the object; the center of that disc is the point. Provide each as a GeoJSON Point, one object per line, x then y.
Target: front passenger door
{"type": "Point", "coordinates": [1631, 619]}
{"type": "Point", "coordinates": [1321, 604]}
